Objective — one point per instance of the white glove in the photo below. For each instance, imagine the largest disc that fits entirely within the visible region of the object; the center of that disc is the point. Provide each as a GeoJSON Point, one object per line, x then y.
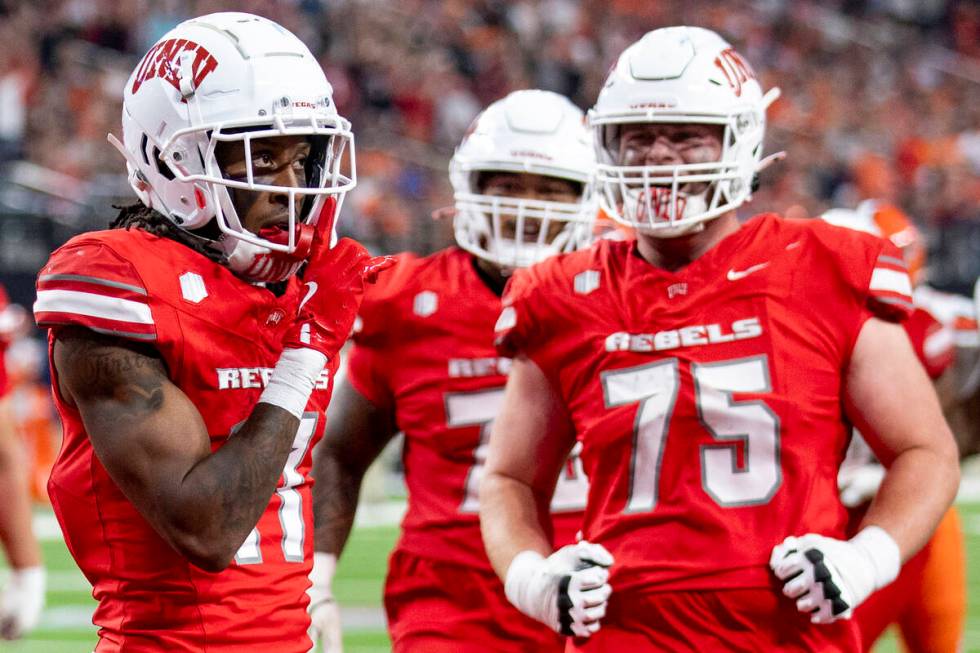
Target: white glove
{"type": "Point", "coordinates": [23, 600]}
{"type": "Point", "coordinates": [567, 591]}
{"type": "Point", "coordinates": [324, 611]}
{"type": "Point", "coordinates": [828, 577]}
{"type": "Point", "coordinates": [859, 484]}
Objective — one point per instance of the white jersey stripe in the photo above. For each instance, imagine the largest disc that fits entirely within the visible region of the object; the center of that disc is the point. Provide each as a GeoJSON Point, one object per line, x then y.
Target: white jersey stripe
{"type": "Point", "coordinates": [939, 342]}
{"type": "Point", "coordinates": [93, 305]}
{"type": "Point", "coordinates": [891, 281]}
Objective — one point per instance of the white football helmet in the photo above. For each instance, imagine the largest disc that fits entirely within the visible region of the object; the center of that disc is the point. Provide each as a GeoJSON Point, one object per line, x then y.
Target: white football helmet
{"type": "Point", "coordinates": [234, 77]}
{"type": "Point", "coordinates": [535, 132]}
{"type": "Point", "coordinates": [682, 75]}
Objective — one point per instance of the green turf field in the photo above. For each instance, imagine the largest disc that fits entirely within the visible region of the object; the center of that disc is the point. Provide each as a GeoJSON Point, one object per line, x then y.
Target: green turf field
{"type": "Point", "coordinates": [66, 628]}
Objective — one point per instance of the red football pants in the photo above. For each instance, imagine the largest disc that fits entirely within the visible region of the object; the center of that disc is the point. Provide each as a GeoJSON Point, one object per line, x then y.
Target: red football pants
{"type": "Point", "coordinates": [435, 607]}
{"type": "Point", "coordinates": [735, 620]}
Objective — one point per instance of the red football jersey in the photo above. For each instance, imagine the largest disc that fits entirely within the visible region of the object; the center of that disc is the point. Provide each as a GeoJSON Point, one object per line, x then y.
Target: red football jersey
{"type": "Point", "coordinates": [220, 338]}
{"type": "Point", "coordinates": [424, 350]}
{"type": "Point", "coordinates": [707, 400]}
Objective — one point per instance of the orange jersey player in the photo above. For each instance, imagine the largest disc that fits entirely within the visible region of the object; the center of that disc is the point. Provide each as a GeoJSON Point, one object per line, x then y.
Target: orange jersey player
{"type": "Point", "coordinates": [928, 600]}
{"type": "Point", "coordinates": [190, 366]}
{"type": "Point", "coordinates": [423, 362]}
{"type": "Point", "coordinates": [709, 369]}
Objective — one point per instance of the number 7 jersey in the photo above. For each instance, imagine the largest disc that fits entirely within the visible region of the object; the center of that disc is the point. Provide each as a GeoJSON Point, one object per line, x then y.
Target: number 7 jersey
{"type": "Point", "coordinates": [708, 401]}
{"type": "Point", "coordinates": [423, 350]}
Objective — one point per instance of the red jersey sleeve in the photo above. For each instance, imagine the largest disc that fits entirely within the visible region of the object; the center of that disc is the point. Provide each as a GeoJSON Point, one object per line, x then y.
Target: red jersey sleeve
{"type": "Point", "coordinates": [889, 290]}
{"type": "Point", "coordinates": [934, 342]}
{"type": "Point", "coordinates": [87, 284]}
{"type": "Point", "coordinates": [365, 371]}
{"type": "Point", "coordinates": [515, 327]}
{"type": "Point", "coordinates": [860, 276]}
{"type": "Point", "coordinates": [376, 324]}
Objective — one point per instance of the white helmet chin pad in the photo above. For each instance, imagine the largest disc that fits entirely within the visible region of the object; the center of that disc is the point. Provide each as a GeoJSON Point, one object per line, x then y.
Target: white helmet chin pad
{"type": "Point", "coordinates": [527, 132]}
{"type": "Point", "coordinates": [236, 79]}
{"type": "Point", "coordinates": [682, 76]}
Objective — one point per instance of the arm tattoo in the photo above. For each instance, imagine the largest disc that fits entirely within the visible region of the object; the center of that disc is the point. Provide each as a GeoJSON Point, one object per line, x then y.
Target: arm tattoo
{"type": "Point", "coordinates": [97, 367]}
{"type": "Point", "coordinates": [204, 502]}
{"type": "Point", "coordinates": [242, 475]}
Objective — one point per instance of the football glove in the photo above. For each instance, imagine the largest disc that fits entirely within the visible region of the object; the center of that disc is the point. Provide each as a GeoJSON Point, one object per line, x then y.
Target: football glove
{"type": "Point", "coordinates": [829, 577]}
{"type": "Point", "coordinates": [567, 591]}
{"type": "Point", "coordinates": [22, 602]}
{"type": "Point", "coordinates": [324, 612]}
{"type": "Point", "coordinates": [860, 483]}
{"type": "Point", "coordinates": [335, 279]}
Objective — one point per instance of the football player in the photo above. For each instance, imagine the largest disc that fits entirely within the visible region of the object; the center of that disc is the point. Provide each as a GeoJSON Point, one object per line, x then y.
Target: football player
{"type": "Point", "coordinates": [423, 363]}
{"type": "Point", "coordinates": [22, 598]}
{"type": "Point", "coordinates": [190, 365]}
{"type": "Point", "coordinates": [708, 368]}
{"type": "Point", "coordinates": [928, 599]}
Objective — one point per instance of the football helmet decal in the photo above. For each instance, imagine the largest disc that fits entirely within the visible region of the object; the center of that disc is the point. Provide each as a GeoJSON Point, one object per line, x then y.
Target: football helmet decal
{"type": "Point", "coordinates": [535, 132]}
{"type": "Point", "coordinates": [679, 75]}
{"type": "Point", "coordinates": [230, 80]}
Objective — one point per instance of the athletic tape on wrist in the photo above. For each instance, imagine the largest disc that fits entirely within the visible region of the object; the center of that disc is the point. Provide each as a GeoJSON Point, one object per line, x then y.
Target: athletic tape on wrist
{"type": "Point", "coordinates": [519, 573]}
{"type": "Point", "coordinates": [882, 552]}
{"type": "Point", "coordinates": [324, 566]}
{"type": "Point", "coordinates": [293, 378]}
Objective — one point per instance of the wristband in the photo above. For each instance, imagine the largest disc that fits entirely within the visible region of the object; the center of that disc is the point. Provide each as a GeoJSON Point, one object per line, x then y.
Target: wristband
{"type": "Point", "coordinates": [522, 568]}
{"type": "Point", "coordinates": [293, 379]}
{"type": "Point", "coordinates": [882, 553]}
{"type": "Point", "coordinates": [324, 566]}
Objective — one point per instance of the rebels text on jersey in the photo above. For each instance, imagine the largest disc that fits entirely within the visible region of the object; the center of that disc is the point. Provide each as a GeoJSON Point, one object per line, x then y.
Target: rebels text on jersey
{"type": "Point", "coordinates": [708, 400]}
{"type": "Point", "coordinates": [219, 337]}
{"type": "Point", "coordinates": [424, 350]}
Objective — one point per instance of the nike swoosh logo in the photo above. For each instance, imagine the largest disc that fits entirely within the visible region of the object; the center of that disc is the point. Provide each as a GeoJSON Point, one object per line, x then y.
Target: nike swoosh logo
{"type": "Point", "coordinates": [735, 275]}
{"type": "Point", "coordinates": [311, 290]}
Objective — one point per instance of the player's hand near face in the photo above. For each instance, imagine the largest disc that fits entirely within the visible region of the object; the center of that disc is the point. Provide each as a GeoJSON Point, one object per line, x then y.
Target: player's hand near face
{"type": "Point", "coordinates": [335, 279]}
{"type": "Point", "coordinates": [154, 443]}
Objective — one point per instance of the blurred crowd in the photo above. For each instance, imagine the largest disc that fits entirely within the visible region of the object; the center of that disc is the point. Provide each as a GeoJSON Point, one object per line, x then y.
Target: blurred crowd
{"type": "Point", "coordinates": [881, 98]}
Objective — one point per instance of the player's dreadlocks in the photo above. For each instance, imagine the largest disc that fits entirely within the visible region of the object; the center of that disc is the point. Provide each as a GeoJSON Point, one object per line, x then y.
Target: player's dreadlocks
{"type": "Point", "coordinates": [143, 217]}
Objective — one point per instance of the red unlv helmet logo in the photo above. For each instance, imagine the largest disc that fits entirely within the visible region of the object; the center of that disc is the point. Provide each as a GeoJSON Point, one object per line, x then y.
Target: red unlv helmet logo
{"type": "Point", "coordinates": [737, 70]}
{"type": "Point", "coordinates": [161, 61]}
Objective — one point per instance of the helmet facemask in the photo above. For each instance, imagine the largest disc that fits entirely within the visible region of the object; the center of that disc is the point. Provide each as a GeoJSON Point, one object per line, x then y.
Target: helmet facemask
{"type": "Point", "coordinates": [274, 253]}
{"type": "Point", "coordinates": [522, 181]}
{"type": "Point", "coordinates": [677, 199]}
{"type": "Point", "coordinates": [515, 232]}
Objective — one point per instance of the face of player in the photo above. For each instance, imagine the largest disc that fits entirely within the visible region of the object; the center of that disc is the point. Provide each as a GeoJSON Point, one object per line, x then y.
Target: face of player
{"type": "Point", "coordinates": [278, 161]}
{"type": "Point", "coordinates": [525, 186]}
{"type": "Point", "coordinates": [665, 144]}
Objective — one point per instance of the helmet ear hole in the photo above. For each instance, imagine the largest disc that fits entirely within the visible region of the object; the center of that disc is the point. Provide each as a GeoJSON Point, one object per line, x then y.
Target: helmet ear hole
{"type": "Point", "coordinates": [161, 167]}
{"type": "Point", "coordinates": [143, 143]}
